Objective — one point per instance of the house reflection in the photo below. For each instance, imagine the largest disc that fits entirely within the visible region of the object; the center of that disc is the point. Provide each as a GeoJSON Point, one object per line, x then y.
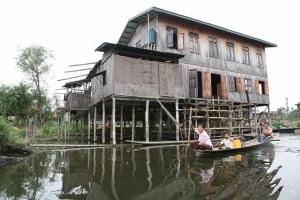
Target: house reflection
{"type": "Point", "coordinates": [173, 172]}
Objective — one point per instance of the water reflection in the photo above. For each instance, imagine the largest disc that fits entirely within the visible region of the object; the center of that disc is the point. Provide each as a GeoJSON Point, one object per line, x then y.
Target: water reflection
{"type": "Point", "coordinates": [132, 172]}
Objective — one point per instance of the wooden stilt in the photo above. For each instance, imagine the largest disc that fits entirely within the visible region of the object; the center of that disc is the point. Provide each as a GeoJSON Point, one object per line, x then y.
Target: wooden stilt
{"type": "Point", "coordinates": [121, 124]}
{"type": "Point", "coordinates": [147, 121]}
{"type": "Point", "coordinates": [190, 119]}
{"type": "Point", "coordinates": [133, 123]}
{"type": "Point", "coordinates": [103, 122]}
{"type": "Point", "coordinates": [177, 120]}
{"type": "Point", "coordinates": [95, 122]}
{"type": "Point", "coordinates": [113, 116]}
{"type": "Point", "coordinates": [160, 124]}
{"type": "Point", "coordinates": [89, 125]}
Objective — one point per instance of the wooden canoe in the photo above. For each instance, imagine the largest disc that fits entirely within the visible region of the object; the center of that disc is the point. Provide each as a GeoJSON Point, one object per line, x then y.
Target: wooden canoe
{"type": "Point", "coordinates": [245, 146]}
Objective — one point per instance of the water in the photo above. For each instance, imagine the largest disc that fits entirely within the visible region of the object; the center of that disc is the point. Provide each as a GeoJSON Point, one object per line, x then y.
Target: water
{"type": "Point", "coordinates": [170, 172]}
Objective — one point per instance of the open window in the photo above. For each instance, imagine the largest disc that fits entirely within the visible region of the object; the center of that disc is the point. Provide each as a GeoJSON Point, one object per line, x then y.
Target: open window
{"type": "Point", "coordinates": [175, 40]}
{"type": "Point", "coordinates": [261, 87]}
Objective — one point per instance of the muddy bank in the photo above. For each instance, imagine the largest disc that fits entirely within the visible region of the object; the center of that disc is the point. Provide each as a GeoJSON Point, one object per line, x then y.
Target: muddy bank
{"type": "Point", "coordinates": [10, 154]}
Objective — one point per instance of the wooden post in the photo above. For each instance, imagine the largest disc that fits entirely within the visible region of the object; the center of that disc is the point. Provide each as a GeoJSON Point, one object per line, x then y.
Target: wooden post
{"type": "Point", "coordinates": [89, 124]}
{"type": "Point", "coordinates": [230, 118]}
{"type": "Point", "coordinates": [190, 119]}
{"type": "Point", "coordinates": [255, 119]}
{"type": "Point", "coordinates": [103, 122]}
{"type": "Point", "coordinates": [184, 120]}
{"type": "Point", "coordinates": [160, 124]}
{"type": "Point", "coordinates": [177, 119]}
{"type": "Point", "coordinates": [113, 116]}
{"type": "Point", "coordinates": [95, 122]}
{"type": "Point", "coordinates": [147, 121]}
{"type": "Point", "coordinates": [121, 124]}
{"type": "Point", "coordinates": [133, 123]}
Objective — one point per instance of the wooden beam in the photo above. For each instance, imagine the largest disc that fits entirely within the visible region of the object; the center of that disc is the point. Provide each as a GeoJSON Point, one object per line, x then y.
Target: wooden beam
{"type": "Point", "coordinates": [160, 124]}
{"type": "Point", "coordinates": [147, 121]}
{"type": "Point", "coordinates": [89, 124]}
{"type": "Point", "coordinates": [95, 122]}
{"type": "Point", "coordinates": [72, 77]}
{"type": "Point", "coordinates": [121, 124]}
{"type": "Point", "coordinates": [113, 116]}
{"type": "Point", "coordinates": [177, 120]}
{"type": "Point", "coordinates": [103, 122]}
{"type": "Point", "coordinates": [82, 64]}
{"type": "Point", "coordinates": [133, 123]}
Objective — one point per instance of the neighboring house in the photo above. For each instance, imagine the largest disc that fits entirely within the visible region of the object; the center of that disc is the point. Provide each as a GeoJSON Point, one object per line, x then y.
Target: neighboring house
{"type": "Point", "coordinates": [168, 61]}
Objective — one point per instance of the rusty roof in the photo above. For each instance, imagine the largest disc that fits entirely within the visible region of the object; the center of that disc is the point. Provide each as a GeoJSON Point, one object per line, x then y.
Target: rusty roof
{"type": "Point", "coordinates": [133, 23]}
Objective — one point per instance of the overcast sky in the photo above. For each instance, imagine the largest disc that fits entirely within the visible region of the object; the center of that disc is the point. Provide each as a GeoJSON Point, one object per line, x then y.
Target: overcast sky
{"type": "Point", "coordinates": [73, 29]}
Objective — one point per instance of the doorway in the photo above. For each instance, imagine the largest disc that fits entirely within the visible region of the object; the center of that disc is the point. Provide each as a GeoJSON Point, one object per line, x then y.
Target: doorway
{"type": "Point", "coordinates": [216, 88]}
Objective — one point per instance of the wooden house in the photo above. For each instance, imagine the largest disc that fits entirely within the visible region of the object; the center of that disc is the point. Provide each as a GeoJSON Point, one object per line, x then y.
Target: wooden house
{"type": "Point", "coordinates": [168, 68]}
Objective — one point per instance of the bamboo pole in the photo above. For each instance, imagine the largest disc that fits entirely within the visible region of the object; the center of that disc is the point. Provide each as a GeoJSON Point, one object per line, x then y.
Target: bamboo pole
{"type": "Point", "coordinates": [133, 123]}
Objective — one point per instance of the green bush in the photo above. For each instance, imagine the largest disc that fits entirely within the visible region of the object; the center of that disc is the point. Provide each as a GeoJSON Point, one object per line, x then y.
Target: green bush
{"type": "Point", "coordinates": [9, 134]}
{"type": "Point", "coordinates": [277, 124]}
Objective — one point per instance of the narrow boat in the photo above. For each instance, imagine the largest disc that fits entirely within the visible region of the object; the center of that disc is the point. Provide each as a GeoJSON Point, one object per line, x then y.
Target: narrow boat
{"type": "Point", "coordinates": [244, 146]}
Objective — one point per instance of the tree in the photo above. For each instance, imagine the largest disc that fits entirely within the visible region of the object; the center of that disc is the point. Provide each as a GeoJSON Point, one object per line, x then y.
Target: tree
{"type": "Point", "coordinates": [16, 100]}
{"type": "Point", "coordinates": [34, 61]}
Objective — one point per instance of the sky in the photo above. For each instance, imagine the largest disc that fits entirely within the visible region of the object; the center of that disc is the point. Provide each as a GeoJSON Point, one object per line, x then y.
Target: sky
{"type": "Point", "coordinates": [73, 29]}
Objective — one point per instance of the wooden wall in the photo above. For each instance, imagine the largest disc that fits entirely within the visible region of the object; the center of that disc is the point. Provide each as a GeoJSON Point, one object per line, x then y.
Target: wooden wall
{"type": "Point", "coordinates": [78, 101]}
{"type": "Point", "coordinates": [130, 77]}
{"type": "Point", "coordinates": [201, 61]}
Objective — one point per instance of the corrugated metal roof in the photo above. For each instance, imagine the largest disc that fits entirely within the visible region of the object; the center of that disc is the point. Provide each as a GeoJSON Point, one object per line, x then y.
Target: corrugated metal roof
{"type": "Point", "coordinates": [135, 21]}
{"type": "Point", "coordinates": [139, 52]}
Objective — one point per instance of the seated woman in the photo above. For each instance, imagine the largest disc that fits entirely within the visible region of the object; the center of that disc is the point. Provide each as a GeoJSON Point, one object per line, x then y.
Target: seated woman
{"type": "Point", "coordinates": [267, 131]}
{"type": "Point", "coordinates": [204, 142]}
{"type": "Point", "coordinates": [226, 142]}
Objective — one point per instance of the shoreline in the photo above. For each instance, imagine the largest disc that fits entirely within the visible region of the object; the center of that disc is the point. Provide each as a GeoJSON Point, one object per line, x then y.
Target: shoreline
{"type": "Point", "coordinates": [11, 154]}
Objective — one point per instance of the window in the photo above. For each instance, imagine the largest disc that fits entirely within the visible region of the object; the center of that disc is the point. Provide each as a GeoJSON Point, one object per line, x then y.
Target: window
{"type": "Point", "coordinates": [175, 40]}
{"type": "Point", "coordinates": [232, 84]}
{"type": "Point", "coordinates": [103, 77]}
{"type": "Point", "coordinates": [194, 42]}
{"type": "Point", "coordinates": [246, 59]}
{"type": "Point", "coordinates": [259, 58]}
{"type": "Point", "coordinates": [171, 37]}
{"type": "Point", "coordinates": [213, 47]}
{"type": "Point", "coordinates": [230, 51]}
{"type": "Point", "coordinates": [261, 87]}
{"type": "Point", "coordinates": [180, 41]}
{"type": "Point", "coordinates": [248, 85]}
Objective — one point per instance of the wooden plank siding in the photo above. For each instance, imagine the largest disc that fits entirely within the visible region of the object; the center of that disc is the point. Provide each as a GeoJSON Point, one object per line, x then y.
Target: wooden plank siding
{"type": "Point", "coordinates": [201, 61]}
{"type": "Point", "coordinates": [138, 78]}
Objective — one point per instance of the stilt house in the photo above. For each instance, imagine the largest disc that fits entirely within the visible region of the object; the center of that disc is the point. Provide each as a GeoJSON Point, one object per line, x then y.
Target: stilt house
{"type": "Point", "coordinates": [167, 69]}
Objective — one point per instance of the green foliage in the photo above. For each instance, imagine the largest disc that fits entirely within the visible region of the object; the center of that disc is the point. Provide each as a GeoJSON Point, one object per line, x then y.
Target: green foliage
{"type": "Point", "coordinates": [16, 100]}
{"type": "Point", "coordinates": [9, 134]}
{"type": "Point", "coordinates": [277, 124]}
{"type": "Point", "coordinates": [34, 62]}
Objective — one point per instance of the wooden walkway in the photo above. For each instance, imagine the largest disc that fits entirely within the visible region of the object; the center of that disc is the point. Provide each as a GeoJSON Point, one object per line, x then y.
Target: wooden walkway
{"type": "Point", "coordinates": [159, 142]}
{"type": "Point", "coordinates": [71, 145]}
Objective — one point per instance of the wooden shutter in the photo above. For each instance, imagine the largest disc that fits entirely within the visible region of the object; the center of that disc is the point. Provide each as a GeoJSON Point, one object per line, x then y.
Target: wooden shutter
{"type": "Point", "coordinates": [180, 41]}
{"type": "Point", "coordinates": [206, 78]}
{"type": "Point", "coordinates": [193, 83]}
{"type": "Point", "coordinates": [266, 88]}
{"type": "Point", "coordinates": [257, 87]}
{"type": "Point", "coordinates": [224, 87]}
{"type": "Point", "coordinates": [170, 39]}
{"type": "Point", "coordinates": [239, 86]}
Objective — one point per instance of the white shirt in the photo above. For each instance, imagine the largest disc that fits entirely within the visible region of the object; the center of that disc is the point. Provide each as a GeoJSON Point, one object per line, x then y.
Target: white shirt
{"type": "Point", "coordinates": [203, 138]}
{"type": "Point", "coordinates": [227, 143]}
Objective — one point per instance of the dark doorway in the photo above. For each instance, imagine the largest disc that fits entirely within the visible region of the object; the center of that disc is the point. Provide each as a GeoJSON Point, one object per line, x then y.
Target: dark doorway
{"type": "Point", "coordinates": [200, 93]}
{"type": "Point", "coordinates": [216, 85]}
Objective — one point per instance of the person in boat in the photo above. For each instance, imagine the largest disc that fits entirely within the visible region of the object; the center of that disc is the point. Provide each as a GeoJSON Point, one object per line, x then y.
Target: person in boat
{"type": "Point", "coordinates": [267, 131]}
{"type": "Point", "coordinates": [226, 142]}
{"type": "Point", "coordinates": [204, 142]}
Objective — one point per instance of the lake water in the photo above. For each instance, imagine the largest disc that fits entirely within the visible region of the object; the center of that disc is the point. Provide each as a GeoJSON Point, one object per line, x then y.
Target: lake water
{"type": "Point", "coordinates": [169, 172]}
